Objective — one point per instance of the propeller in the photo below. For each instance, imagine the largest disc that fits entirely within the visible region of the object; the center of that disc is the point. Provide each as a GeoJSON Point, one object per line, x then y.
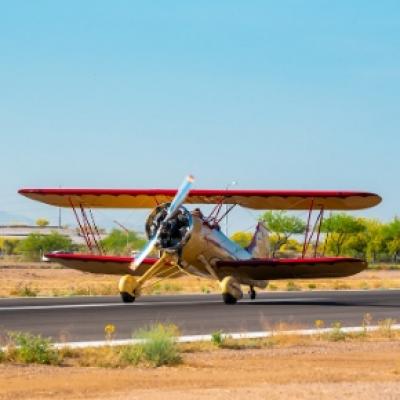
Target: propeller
{"type": "Point", "coordinates": [178, 200]}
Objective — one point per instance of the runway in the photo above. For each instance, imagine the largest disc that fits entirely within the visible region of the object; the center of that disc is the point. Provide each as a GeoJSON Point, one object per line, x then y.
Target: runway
{"type": "Point", "coordinates": [84, 318]}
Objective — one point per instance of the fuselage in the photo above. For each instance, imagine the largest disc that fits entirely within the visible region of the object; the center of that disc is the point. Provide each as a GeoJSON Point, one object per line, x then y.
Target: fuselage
{"type": "Point", "coordinates": [207, 245]}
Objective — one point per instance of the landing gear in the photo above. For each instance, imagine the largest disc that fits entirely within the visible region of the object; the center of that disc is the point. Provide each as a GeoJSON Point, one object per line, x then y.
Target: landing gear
{"type": "Point", "coordinates": [127, 287]}
{"type": "Point", "coordinates": [228, 298]}
{"type": "Point", "coordinates": [231, 291]}
{"type": "Point", "coordinates": [127, 298]}
{"type": "Point", "coordinates": [252, 293]}
{"type": "Point", "coordinates": [130, 287]}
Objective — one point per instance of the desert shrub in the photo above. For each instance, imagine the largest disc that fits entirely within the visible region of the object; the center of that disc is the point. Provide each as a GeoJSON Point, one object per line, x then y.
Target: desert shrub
{"type": "Point", "coordinates": [155, 289]}
{"type": "Point", "coordinates": [291, 286]}
{"type": "Point", "coordinates": [338, 285]}
{"type": "Point", "coordinates": [205, 289]}
{"type": "Point", "coordinates": [8, 246]}
{"type": "Point", "coordinates": [319, 324]}
{"type": "Point", "coordinates": [269, 342]}
{"type": "Point", "coordinates": [131, 354]}
{"type": "Point", "coordinates": [2, 356]}
{"type": "Point", "coordinates": [217, 338]}
{"type": "Point", "coordinates": [28, 348]}
{"type": "Point", "coordinates": [378, 285]}
{"type": "Point", "coordinates": [25, 291]}
{"type": "Point", "coordinates": [172, 287]}
{"type": "Point", "coordinates": [272, 287]}
{"type": "Point", "coordinates": [80, 291]}
{"type": "Point", "coordinates": [104, 357]}
{"type": "Point", "coordinates": [366, 322]}
{"type": "Point", "coordinates": [35, 245]}
{"type": "Point", "coordinates": [120, 242]}
{"type": "Point", "coordinates": [159, 345]}
{"type": "Point", "coordinates": [336, 333]}
{"type": "Point", "coordinates": [364, 285]}
{"type": "Point", "coordinates": [312, 286]}
{"type": "Point", "coordinates": [386, 327]}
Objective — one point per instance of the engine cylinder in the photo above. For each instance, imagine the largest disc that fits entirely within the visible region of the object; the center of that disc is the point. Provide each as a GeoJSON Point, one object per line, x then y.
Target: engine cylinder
{"type": "Point", "coordinates": [175, 232]}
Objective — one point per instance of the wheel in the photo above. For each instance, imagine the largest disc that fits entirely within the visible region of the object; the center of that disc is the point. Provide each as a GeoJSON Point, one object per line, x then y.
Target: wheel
{"type": "Point", "coordinates": [127, 298]}
{"type": "Point", "coordinates": [231, 291]}
{"type": "Point", "coordinates": [228, 298]}
{"type": "Point", "coordinates": [128, 288]}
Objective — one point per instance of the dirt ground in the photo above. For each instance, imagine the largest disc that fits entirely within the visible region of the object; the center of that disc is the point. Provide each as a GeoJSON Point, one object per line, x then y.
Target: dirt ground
{"type": "Point", "coordinates": [46, 279]}
{"type": "Point", "coordinates": [350, 370]}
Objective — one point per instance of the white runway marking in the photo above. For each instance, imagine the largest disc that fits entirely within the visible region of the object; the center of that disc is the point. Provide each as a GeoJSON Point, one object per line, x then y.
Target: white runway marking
{"type": "Point", "coordinates": [150, 304]}
{"type": "Point", "coordinates": [240, 335]}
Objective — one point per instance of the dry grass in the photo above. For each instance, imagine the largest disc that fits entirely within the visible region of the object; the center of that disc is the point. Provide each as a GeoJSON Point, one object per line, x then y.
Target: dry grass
{"type": "Point", "coordinates": [161, 344]}
{"type": "Point", "coordinates": [281, 366]}
{"type": "Point", "coordinates": [48, 279]}
{"type": "Point", "coordinates": [317, 370]}
{"type": "Point", "coordinates": [369, 279]}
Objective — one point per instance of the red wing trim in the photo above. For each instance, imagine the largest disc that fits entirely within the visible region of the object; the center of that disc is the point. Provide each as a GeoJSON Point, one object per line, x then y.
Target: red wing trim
{"type": "Point", "coordinates": [89, 257]}
{"type": "Point", "coordinates": [198, 192]}
{"type": "Point", "coordinates": [287, 261]}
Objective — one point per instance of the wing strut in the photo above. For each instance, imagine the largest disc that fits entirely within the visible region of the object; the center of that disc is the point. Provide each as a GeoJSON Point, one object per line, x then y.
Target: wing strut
{"type": "Point", "coordinates": [214, 218]}
{"type": "Point", "coordinates": [316, 229]}
{"type": "Point", "coordinates": [88, 229]}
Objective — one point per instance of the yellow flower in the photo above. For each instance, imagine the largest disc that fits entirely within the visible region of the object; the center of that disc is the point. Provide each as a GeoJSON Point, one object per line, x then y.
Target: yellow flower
{"type": "Point", "coordinates": [109, 330]}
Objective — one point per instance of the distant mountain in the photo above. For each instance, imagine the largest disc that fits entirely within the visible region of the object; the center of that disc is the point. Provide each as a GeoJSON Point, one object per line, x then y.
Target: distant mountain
{"type": "Point", "coordinates": [7, 218]}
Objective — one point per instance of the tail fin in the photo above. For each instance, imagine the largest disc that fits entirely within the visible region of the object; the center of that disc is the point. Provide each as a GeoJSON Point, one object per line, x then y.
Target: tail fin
{"type": "Point", "coordinates": [259, 246]}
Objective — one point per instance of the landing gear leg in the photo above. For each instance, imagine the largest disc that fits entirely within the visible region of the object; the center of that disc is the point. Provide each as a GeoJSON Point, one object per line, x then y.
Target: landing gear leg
{"type": "Point", "coordinates": [252, 293]}
{"type": "Point", "coordinates": [129, 287]}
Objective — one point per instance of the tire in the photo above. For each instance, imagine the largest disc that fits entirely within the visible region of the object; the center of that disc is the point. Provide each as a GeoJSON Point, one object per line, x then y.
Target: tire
{"type": "Point", "coordinates": [127, 298]}
{"type": "Point", "coordinates": [228, 298]}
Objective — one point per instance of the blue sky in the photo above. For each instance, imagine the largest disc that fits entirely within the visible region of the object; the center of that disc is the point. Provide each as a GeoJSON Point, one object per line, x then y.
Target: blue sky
{"type": "Point", "coordinates": [289, 94]}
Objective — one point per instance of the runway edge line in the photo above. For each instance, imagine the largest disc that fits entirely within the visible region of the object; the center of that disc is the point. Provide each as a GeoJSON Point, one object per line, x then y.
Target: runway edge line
{"type": "Point", "coordinates": [235, 336]}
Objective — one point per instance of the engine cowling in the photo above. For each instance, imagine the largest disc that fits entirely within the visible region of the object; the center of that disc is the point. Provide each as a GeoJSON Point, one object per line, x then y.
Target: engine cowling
{"type": "Point", "coordinates": [175, 232]}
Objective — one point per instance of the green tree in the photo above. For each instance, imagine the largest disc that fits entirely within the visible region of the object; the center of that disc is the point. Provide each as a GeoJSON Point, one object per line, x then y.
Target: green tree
{"type": "Point", "coordinates": [368, 243]}
{"type": "Point", "coordinates": [340, 227]}
{"type": "Point", "coordinates": [243, 239]}
{"type": "Point", "coordinates": [283, 226]}
{"type": "Point", "coordinates": [35, 245]}
{"type": "Point", "coordinates": [42, 222]}
{"type": "Point", "coordinates": [8, 246]}
{"type": "Point", "coordinates": [292, 245]}
{"type": "Point", "coordinates": [356, 245]}
{"type": "Point", "coordinates": [391, 238]}
{"type": "Point", "coordinates": [120, 242]}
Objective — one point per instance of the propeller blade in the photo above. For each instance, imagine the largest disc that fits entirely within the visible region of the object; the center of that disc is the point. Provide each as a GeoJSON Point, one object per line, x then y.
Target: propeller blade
{"type": "Point", "coordinates": [180, 196]}
{"type": "Point", "coordinates": [178, 200]}
{"type": "Point", "coordinates": [145, 252]}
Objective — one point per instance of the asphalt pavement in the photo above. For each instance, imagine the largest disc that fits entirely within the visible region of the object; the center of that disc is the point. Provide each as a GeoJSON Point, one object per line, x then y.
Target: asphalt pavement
{"type": "Point", "coordinates": [84, 318]}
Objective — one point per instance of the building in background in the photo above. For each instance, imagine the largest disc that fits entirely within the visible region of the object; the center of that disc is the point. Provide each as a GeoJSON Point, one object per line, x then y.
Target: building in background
{"type": "Point", "coordinates": [23, 231]}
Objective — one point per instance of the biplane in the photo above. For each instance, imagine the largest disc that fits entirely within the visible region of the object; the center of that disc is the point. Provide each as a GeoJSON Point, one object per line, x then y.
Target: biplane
{"type": "Point", "coordinates": [193, 243]}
